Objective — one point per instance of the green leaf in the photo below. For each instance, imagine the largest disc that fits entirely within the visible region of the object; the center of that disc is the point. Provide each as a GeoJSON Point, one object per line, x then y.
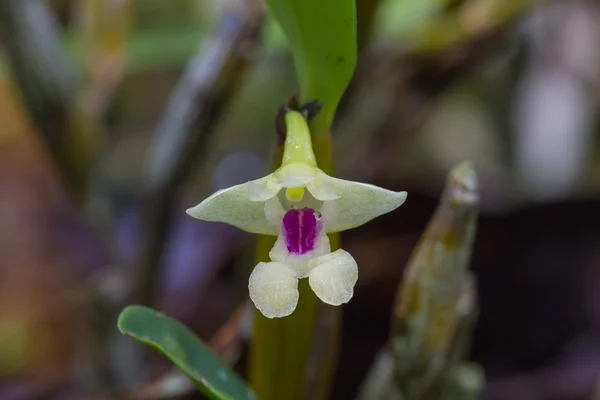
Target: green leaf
{"type": "Point", "coordinates": [322, 35]}
{"type": "Point", "coordinates": [183, 347]}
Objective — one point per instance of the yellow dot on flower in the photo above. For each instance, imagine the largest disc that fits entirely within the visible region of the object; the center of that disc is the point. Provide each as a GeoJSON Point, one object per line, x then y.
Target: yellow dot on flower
{"type": "Point", "coordinates": [295, 193]}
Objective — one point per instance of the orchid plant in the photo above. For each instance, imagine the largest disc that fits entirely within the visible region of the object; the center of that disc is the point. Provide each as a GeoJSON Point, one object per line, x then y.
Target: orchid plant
{"type": "Point", "coordinates": [299, 204]}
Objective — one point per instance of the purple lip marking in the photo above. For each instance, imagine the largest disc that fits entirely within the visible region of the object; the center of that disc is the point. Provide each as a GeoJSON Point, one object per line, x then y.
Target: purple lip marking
{"type": "Point", "coordinates": [300, 230]}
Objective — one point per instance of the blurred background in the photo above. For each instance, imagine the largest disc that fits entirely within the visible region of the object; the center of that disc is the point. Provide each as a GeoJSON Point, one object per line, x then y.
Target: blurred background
{"type": "Point", "coordinates": [117, 115]}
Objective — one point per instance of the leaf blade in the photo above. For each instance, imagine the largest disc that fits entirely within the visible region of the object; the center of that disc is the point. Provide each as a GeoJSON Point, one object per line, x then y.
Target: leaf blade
{"type": "Point", "coordinates": [322, 36]}
{"type": "Point", "coordinates": [186, 350]}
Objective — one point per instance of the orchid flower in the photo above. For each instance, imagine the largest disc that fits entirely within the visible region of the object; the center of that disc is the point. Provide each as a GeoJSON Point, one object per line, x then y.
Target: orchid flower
{"type": "Point", "coordinates": [299, 204]}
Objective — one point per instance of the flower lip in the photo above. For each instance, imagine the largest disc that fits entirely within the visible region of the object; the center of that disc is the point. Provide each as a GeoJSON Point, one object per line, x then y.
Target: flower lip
{"type": "Point", "coordinates": [300, 227]}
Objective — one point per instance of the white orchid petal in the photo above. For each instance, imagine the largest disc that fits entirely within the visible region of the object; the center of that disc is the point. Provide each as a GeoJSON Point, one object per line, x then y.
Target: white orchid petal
{"type": "Point", "coordinates": [358, 203]}
{"type": "Point", "coordinates": [299, 262]}
{"type": "Point", "coordinates": [333, 277]}
{"type": "Point", "coordinates": [274, 211]}
{"type": "Point", "coordinates": [320, 189]}
{"type": "Point", "coordinates": [263, 189]}
{"type": "Point", "coordinates": [233, 206]}
{"type": "Point", "coordinates": [273, 289]}
{"type": "Point", "coordinates": [293, 175]}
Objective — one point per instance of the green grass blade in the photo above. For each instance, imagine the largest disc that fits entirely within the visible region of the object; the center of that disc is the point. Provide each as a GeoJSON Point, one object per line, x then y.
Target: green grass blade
{"type": "Point", "coordinates": [186, 350]}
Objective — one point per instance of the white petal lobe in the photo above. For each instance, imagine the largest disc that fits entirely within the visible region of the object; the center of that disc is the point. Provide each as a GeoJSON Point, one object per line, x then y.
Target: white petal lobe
{"type": "Point", "coordinates": [274, 211]}
{"type": "Point", "coordinates": [358, 203]}
{"type": "Point", "coordinates": [321, 190]}
{"type": "Point", "coordinates": [263, 189]}
{"type": "Point", "coordinates": [293, 175]}
{"type": "Point", "coordinates": [333, 277]}
{"type": "Point", "coordinates": [299, 262]}
{"type": "Point", "coordinates": [233, 206]}
{"type": "Point", "coordinates": [273, 289]}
